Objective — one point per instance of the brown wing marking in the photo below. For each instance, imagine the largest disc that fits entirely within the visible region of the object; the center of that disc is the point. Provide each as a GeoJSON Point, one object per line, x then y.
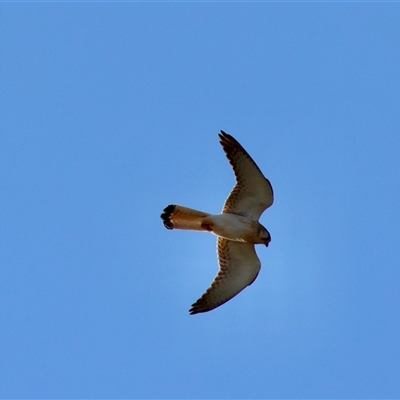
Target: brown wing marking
{"type": "Point", "coordinates": [238, 268]}
{"type": "Point", "coordinates": [252, 193]}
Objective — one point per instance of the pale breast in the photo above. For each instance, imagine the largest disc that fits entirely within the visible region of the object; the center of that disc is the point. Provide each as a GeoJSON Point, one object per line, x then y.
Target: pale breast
{"type": "Point", "coordinates": [234, 227]}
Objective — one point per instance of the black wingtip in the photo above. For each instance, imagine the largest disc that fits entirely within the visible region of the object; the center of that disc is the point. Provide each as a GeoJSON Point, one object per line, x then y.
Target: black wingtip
{"type": "Point", "coordinates": [223, 134]}
{"type": "Point", "coordinates": [200, 307]}
{"type": "Point", "coordinates": [226, 138]}
{"type": "Point", "coordinates": [194, 311]}
{"type": "Point", "coordinates": [166, 216]}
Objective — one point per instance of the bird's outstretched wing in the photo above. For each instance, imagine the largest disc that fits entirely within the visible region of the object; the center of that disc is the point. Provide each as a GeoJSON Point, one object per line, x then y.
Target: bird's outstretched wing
{"type": "Point", "coordinates": [238, 268]}
{"type": "Point", "coordinates": [252, 193]}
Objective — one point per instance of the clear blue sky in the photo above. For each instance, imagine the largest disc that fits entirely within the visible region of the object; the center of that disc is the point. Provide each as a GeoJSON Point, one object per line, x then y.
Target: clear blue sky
{"type": "Point", "coordinates": [111, 111]}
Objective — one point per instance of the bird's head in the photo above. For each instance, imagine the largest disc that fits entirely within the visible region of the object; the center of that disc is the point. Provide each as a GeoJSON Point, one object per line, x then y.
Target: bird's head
{"type": "Point", "coordinates": [265, 236]}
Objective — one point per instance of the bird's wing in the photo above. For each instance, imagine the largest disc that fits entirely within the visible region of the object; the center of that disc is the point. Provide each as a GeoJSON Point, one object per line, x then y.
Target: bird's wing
{"type": "Point", "coordinates": [238, 268]}
{"type": "Point", "coordinates": [252, 193]}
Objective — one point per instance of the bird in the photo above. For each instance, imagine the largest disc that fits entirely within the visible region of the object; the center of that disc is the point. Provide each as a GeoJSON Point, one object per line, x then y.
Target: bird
{"type": "Point", "coordinates": [237, 227]}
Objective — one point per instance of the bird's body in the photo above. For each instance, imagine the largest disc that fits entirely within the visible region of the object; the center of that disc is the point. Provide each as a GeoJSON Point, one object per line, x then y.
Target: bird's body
{"type": "Point", "coordinates": [237, 227]}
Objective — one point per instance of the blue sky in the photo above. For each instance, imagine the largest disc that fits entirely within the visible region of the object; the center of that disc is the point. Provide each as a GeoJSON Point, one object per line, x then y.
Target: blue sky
{"type": "Point", "coordinates": [110, 112]}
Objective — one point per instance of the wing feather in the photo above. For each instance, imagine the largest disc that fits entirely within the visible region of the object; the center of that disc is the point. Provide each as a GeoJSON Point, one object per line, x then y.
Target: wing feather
{"type": "Point", "coordinates": [238, 268]}
{"type": "Point", "coordinates": [252, 193]}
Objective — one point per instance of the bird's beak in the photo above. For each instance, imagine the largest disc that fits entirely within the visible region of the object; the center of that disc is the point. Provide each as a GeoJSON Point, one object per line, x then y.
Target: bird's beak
{"type": "Point", "coordinates": [266, 244]}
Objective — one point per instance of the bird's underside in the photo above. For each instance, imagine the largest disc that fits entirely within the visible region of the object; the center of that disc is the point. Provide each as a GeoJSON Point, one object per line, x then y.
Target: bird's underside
{"type": "Point", "coordinates": [237, 227]}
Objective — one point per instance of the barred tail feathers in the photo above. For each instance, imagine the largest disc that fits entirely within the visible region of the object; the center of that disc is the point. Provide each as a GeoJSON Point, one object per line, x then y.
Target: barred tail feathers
{"type": "Point", "coordinates": [179, 217]}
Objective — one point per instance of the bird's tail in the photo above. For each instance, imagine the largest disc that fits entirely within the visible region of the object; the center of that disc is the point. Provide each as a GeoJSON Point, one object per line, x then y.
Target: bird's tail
{"type": "Point", "coordinates": [179, 217]}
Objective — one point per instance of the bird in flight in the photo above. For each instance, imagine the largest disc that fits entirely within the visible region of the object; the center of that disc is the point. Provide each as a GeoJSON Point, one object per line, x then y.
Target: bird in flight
{"type": "Point", "coordinates": [237, 227]}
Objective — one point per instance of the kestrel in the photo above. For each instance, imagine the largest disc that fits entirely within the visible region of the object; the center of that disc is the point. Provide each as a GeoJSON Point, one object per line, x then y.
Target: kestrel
{"type": "Point", "coordinates": [237, 227]}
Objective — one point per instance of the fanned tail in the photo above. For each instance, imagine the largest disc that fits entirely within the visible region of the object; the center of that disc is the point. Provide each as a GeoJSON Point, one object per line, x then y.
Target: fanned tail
{"type": "Point", "coordinates": [179, 217]}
